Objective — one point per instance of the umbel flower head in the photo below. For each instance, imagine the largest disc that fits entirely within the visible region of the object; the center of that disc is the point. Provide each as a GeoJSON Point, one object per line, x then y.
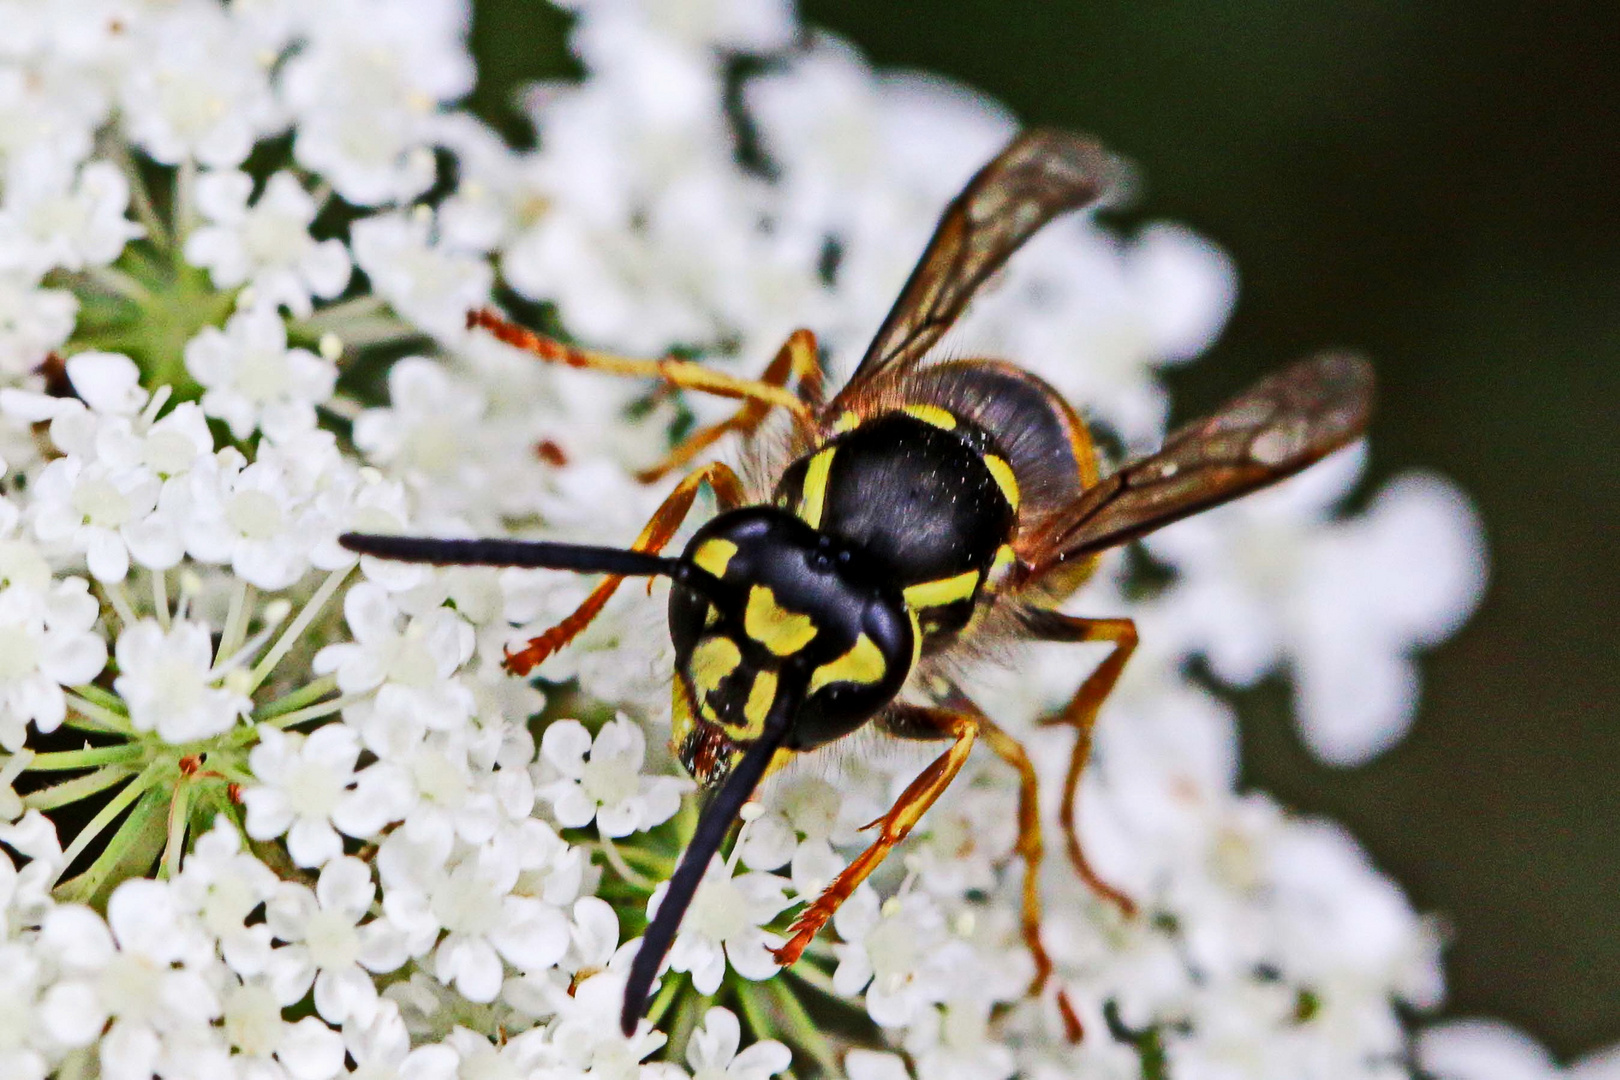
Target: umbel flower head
{"type": "Point", "coordinates": [269, 810]}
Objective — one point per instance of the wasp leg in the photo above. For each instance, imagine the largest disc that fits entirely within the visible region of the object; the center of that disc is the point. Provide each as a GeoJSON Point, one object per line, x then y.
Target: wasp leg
{"type": "Point", "coordinates": [728, 491]}
{"type": "Point", "coordinates": [669, 370]}
{"type": "Point", "coordinates": [909, 721]}
{"type": "Point", "coordinates": [1081, 714]}
{"type": "Point", "coordinates": [1031, 847]}
{"type": "Point", "coordinates": [796, 359]}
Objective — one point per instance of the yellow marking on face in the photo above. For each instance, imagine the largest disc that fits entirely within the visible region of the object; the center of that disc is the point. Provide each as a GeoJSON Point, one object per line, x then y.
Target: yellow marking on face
{"type": "Point", "coordinates": [758, 705]}
{"type": "Point", "coordinates": [712, 661]}
{"type": "Point", "coordinates": [916, 640]}
{"type": "Point", "coordinates": [1002, 473]}
{"type": "Point", "coordinates": [862, 664]}
{"type": "Point", "coordinates": [711, 616]}
{"type": "Point", "coordinates": [681, 721]}
{"type": "Point", "coordinates": [813, 495]}
{"type": "Point", "coordinates": [714, 556]}
{"type": "Point", "coordinates": [773, 626]}
{"type": "Point", "coordinates": [932, 414]}
{"type": "Point", "coordinates": [848, 421]}
{"type": "Point", "coordinates": [943, 591]}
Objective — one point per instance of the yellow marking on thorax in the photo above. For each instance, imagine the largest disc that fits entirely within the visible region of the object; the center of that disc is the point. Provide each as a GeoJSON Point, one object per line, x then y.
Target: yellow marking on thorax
{"type": "Point", "coordinates": [714, 556]}
{"type": "Point", "coordinates": [847, 421]}
{"type": "Point", "coordinates": [1002, 473]}
{"type": "Point", "coordinates": [773, 626]}
{"type": "Point", "coordinates": [712, 661]}
{"type": "Point", "coordinates": [813, 496]}
{"type": "Point", "coordinates": [943, 591]}
{"type": "Point", "coordinates": [1001, 564]}
{"type": "Point", "coordinates": [932, 414]}
{"type": "Point", "coordinates": [681, 720]}
{"type": "Point", "coordinates": [862, 664]}
{"type": "Point", "coordinates": [758, 706]}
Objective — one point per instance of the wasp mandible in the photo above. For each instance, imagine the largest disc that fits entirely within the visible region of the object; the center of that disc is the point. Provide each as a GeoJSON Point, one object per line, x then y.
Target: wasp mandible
{"type": "Point", "coordinates": [930, 506]}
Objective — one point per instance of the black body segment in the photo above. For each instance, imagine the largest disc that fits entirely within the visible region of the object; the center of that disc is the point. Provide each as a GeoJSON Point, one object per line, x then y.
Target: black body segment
{"type": "Point", "coordinates": [923, 492]}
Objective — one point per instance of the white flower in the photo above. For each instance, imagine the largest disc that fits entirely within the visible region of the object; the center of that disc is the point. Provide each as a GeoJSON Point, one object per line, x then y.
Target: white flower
{"type": "Point", "coordinates": [50, 218]}
{"type": "Point", "coordinates": [1345, 602]}
{"type": "Point", "coordinates": [427, 432]}
{"type": "Point", "coordinates": [723, 924]}
{"type": "Point", "coordinates": [303, 790]}
{"type": "Point", "coordinates": [47, 641]}
{"type": "Point", "coordinates": [245, 515]}
{"type": "Point", "coordinates": [266, 246]}
{"type": "Point", "coordinates": [327, 944]}
{"type": "Point", "coordinates": [146, 970]}
{"type": "Point", "coordinates": [197, 88]}
{"type": "Point", "coordinates": [306, 1050]}
{"type": "Point", "coordinates": [712, 1051]}
{"type": "Point", "coordinates": [427, 283]}
{"type": "Point", "coordinates": [168, 681]}
{"type": "Point", "coordinates": [900, 948]}
{"type": "Point", "coordinates": [381, 1048]}
{"type": "Point", "coordinates": [253, 380]}
{"type": "Point", "coordinates": [609, 788]}
{"type": "Point", "coordinates": [1493, 1050]}
{"type": "Point", "coordinates": [418, 659]}
{"type": "Point", "coordinates": [33, 321]}
{"type": "Point", "coordinates": [223, 886]}
{"type": "Point", "coordinates": [92, 510]}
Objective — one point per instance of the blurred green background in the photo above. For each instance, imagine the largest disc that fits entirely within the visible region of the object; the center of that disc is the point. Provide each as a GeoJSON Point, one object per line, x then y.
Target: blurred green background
{"type": "Point", "coordinates": [1434, 182]}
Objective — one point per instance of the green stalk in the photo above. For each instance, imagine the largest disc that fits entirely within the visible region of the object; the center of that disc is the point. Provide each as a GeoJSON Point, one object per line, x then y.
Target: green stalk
{"type": "Point", "coordinates": [85, 759]}
{"type": "Point", "coordinates": [80, 787]}
{"type": "Point", "coordinates": [297, 699]}
{"type": "Point", "coordinates": [666, 996]}
{"type": "Point", "coordinates": [104, 718]}
{"type": "Point", "coordinates": [285, 643]}
{"type": "Point", "coordinates": [128, 854]}
{"type": "Point", "coordinates": [174, 845]}
{"type": "Point", "coordinates": [801, 1027]}
{"type": "Point", "coordinates": [115, 806]}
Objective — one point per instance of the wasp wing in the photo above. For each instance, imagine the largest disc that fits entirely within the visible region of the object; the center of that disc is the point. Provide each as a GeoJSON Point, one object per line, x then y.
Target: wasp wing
{"type": "Point", "coordinates": [1040, 174]}
{"type": "Point", "coordinates": [1273, 430]}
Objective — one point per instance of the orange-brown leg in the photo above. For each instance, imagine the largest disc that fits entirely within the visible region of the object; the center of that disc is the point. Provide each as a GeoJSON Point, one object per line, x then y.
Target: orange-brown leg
{"type": "Point", "coordinates": [796, 360]}
{"type": "Point", "coordinates": [1081, 714]}
{"type": "Point", "coordinates": [728, 492]}
{"type": "Point", "coordinates": [912, 721]}
{"type": "Point", "coordinates": [669, 370]}
{"type": "Point", "coordinates": [1031, 848]}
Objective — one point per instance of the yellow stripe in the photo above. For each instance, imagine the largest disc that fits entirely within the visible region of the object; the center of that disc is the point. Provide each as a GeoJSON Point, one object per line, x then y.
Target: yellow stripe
{"type": "Point", "coordinates": [680, 712]}
{"type": "Point", "coordinates": [712, 661]}
{"type": "Point", "coordinates": [779, 630]}
{"type": "Point", "coordinates": [813, 495]}
{"type": "Point", "coordinates": [863, 664]}
{"type": "Point", "coordinates": [847, 422]}
{"type": "Point", "coordinates": [944, 591]}
{"type": "Point", "coordinates": [932, 414]}
{"type": "Point", "coordinates": [1005, 557]}
{"type": "Point", "coordinates": [758, 705]}
{"type": "Point", "coordinates": [714, 556]}
{"type": "Point", "coordinates": [916, 640]}
{"type": "Point", "coordinates": [1002, 473]}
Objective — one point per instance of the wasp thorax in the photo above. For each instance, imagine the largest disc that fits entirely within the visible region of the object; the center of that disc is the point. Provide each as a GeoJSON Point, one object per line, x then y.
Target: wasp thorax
{"type": "Point", "coordinates": [780, 608]}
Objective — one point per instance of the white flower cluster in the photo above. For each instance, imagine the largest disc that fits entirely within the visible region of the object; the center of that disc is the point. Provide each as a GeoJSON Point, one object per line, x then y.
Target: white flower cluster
{"type": "Point", "coordinates": [329, 846]}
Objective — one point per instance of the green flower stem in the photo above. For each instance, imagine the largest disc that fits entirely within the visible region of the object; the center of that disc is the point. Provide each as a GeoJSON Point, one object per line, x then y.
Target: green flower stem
{"type": "Point", "coordinates": [104, 718]}
{"type": "Point", "coordinates": [128, 854]}
{"type": "Point", "coordinates": [615, 859]}
{"type": "Point", "coordinates": [179, 815]}
{"type": "Point", "coordinates": [369, 333]}
{"type": "Point", "coordinates": [313, 712]}
{"type": "Point", "coordinates": [236, 620]}
{"type": "Point", "coordinates": [86, 759]}
{"type": "Point", "coordinates": [115, 806]}
{"type": "Point", "coordinates": [80, 787]}
{"type": "Point", "coordinates": [815, 977]}
{"type": "Point", "coordinates": [290, 635]}
{"type": "Point", "coordinates": [304, 695]}
{"type": "Point", "coordinates": [666, 997]}
{"type": "Point", "coordinates": [119, 599]}
{"type": "Point", "coordinates": [160, 598]}
{"type": "Point", "coordinates": [139, 198]}
{"type": "Point", "coordinates": [800, 1027]}
{"type": "Point", "coordinates": [105, 698]}
{"type": "Point", "coordinates": [118, 283]}
{"type": "Point", "coordinates": [185, 200]}
{"type": "Point", "coordinates": [335, 318]}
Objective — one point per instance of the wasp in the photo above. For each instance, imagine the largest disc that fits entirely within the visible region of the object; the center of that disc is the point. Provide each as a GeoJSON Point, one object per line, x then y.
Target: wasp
{"type": "Point", "coordinates": [930, 506]}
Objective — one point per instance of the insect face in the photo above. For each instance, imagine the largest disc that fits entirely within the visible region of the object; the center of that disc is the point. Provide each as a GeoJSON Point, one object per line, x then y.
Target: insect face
{"type": "Point", "coordinates": [790, 608]}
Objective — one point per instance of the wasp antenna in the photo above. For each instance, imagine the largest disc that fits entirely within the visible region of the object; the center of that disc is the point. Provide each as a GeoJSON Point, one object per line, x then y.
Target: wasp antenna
{"type": "Point", "coordinates": [539, 554]}
{"type": "Point", "coordinates": [712, 828]}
